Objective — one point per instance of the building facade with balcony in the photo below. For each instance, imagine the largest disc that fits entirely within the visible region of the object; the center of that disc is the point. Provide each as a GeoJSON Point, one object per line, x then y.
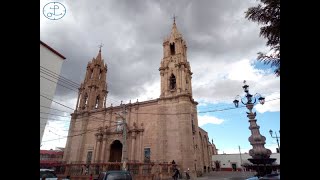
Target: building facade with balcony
{"type": "Point", "coordinates": [50, 159]}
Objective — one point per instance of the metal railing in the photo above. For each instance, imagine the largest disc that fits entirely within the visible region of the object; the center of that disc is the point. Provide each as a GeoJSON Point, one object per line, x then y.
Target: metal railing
{"type": "Point", "coordinates": [138, 170]}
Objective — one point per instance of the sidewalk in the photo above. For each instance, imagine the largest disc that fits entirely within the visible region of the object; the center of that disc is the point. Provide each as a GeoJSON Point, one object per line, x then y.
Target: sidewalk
{"type": "Point", "coordinates": [223, 175]}
{"type": "Point", "coordinates": [227, 175]}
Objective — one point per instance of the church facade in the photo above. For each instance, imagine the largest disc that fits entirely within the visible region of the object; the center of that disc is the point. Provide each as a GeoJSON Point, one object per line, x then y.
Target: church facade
{"type": "Point", "coordinates": [159, 130]}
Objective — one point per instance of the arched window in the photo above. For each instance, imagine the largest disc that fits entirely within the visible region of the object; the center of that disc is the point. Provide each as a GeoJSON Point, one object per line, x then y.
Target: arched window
{"type": "Point", "coordinates": [85, 101]}
{"type": "Point", "coordinates": [97, 102]}
{"type": "Point", "coordinates": [91, 74]}
{"type": "Point", "coordinates": [172, 82]}
{"type": "Point", "coordinates": [193, 126]}
{"type": "Point", "coordinates": [172, 49]}
{"type": "Point", "coordinates": [100, 74]}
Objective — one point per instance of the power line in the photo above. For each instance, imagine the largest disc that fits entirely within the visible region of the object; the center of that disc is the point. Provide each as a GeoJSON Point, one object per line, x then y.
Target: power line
{"type": "Point", "coordinates": [59, 76]}
{"type": "Point", "coordinates": [86, 131]}
{"type": "Point", "coordinates": [53, 114]}
{"type": "Point", "coordinates": [72, 83]}
{"type": "Point", "coordinates": [59, 80]}
{"type": "Point", "coordinates": [55, 133]}
{"type": "Point", "coordinates": [230, 100]}
{"type": "Point", "coordinates": [58, 83]}
{"type": "Point", "coordinates": [56, 102]}
{"type": "Point", "coordinates": [68, 107]}
{"type": "Point", "coordinates": [146, 113]}
{"type": "Point", "coordinates": [215, 110]}
{"type": "Point", "coordinates": [231, 107]}
{"type": "Point", "coordinates": [54, 109]}
{"type": "Point", "coordinates": [54, 119]}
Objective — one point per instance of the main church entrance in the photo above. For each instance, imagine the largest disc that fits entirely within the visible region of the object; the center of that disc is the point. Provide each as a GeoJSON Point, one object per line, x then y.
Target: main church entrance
{"type": "Point", "coordinates": [115, 154]}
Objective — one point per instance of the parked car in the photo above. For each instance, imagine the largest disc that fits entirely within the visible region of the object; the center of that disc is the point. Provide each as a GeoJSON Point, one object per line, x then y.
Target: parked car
{"type": "Point", "coordinates": [114, 175]}
{"type": "Point", "coordinates": [270, 177]}
{"type": "Point", "coordinates": [48, 173]}
{"type": "Point", "coordinates": [252, 178]}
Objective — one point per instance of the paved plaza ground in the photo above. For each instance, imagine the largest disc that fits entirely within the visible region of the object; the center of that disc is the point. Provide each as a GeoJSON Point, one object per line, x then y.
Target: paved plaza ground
{"type": "Point", "coordinates": [227, 175]}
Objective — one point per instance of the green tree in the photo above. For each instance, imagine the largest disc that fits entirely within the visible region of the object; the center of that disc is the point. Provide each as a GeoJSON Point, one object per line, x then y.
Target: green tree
{"type": "Point", "coordinates": [267, 13]}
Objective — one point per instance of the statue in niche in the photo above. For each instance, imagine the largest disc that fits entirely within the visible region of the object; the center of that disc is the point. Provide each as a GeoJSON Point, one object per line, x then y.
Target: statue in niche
{"type": "Point", "coordinates": [172, 82]}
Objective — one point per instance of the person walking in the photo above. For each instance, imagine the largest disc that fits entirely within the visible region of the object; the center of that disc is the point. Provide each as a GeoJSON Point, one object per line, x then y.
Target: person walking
{"type": "Point", "coordinates": [188, 174]}
{"type": "Point", "coordinates": [176, 174]}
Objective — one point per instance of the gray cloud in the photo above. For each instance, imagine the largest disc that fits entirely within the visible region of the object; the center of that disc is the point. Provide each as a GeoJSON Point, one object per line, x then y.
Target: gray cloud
{"type": "Point", "coordinates": [132, 33]}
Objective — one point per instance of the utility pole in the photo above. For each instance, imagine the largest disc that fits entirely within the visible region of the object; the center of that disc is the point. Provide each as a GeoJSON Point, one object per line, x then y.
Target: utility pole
{"type": "Point", "coordinates": [124, 132]}
{"type": "Point", "coordinates": [240, 157]}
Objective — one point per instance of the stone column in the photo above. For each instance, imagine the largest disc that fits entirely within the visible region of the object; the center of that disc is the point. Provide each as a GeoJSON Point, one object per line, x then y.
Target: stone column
{"type": "Point", "coordinates": [166, 84]}
{"type": "Point", "coordinates": [133, 145]}
{"type": "Point", "coordinates": [104, 141]}
{"type": "Point", "coordinates": [94, 155]}
{"type": "Point", "coordinates": [190, 86]}
{"type": "Point", "coordinates": [183, 79]}
{"type": "Point", "coordinates": [93, 95]}
{"type": "Point", "coordinates": [84, 124]}
{"type": "Point", "coordinates": [105, 100]}
{"type": "Point", "coordinates": [87, 73]}
{"type": "Point", "coordinates": [107, 152]}
{"type": "Point", "coordinates": [178, 80]}
{"type": "Point", "coordinates": [162, 82]}
{"type": "Point", "coordinates": [77, 106]}
{"type": "Point", "coordinates": [99, 139]}
{"type": "Point", "coordinates": [141, 147]}
{"type": "Point", "coordinates": [95, 72]}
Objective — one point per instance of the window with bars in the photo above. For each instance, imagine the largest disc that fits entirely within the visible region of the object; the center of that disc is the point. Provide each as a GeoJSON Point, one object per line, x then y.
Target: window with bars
{"type": "Point", "coordinates": [147, 154]}
{"type": "Point", "coordinates": [193, 126]}
{"type": "Point", "coordinates": [89, 157]}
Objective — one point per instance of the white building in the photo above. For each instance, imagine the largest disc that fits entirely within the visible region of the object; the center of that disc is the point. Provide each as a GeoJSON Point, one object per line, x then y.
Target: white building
{"type": "Point", "coordinates": [232, 162]}
{"type": "Point", "coordinates": [50, 66]}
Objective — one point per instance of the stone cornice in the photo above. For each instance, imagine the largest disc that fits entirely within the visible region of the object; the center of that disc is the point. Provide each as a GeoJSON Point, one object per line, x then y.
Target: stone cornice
{"type": "Point", "coordinates": [113, 133]}
{"type": "Point", "coordinates": [178, 96]}
{"type": "Point", "coordinates": [136, 130]}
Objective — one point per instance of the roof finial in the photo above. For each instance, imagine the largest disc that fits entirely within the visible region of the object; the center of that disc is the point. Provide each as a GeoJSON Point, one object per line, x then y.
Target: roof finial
{"type": "Point", "coordinates": [174, 18]}
{"type": "Point", "coordinates": [100, 46]}
{"type": "Point", "coordinates": [99, 58]}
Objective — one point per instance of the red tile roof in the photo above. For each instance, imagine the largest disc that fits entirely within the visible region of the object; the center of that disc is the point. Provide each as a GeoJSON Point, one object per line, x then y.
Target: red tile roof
{"type": "Point", "coordinates": [52, 50]}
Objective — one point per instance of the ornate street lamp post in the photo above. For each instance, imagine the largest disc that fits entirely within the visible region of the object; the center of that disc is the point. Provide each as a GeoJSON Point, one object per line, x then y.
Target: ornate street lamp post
{"type": "Point", "coordinates": [276, 138]}
{"type": "Point", "coordinates": [260, 155]}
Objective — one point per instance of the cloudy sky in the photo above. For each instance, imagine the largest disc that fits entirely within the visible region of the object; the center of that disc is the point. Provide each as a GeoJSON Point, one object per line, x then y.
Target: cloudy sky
{"type": "Point", "coordinates": [222, 47]}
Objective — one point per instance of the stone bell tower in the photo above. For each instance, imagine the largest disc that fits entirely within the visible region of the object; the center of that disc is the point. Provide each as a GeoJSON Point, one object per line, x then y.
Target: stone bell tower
{"type": "Point", "coordinates": [174, 69]}
{"type": "Point", "coordinates": [93, 91]}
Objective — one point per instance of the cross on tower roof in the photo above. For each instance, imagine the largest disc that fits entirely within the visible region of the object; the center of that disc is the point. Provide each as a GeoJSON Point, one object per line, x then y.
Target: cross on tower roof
{"type": "Point", "coordinates": [174, 18]}
{"type": "Point", "coordinates": [100, 46]}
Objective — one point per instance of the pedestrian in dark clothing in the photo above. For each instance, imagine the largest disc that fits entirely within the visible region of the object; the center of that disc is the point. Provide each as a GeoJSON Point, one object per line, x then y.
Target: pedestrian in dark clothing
{"type": "Point", "coordinates": [176, 174]}
{"type": "Point", "coordinates": [187, 174]}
